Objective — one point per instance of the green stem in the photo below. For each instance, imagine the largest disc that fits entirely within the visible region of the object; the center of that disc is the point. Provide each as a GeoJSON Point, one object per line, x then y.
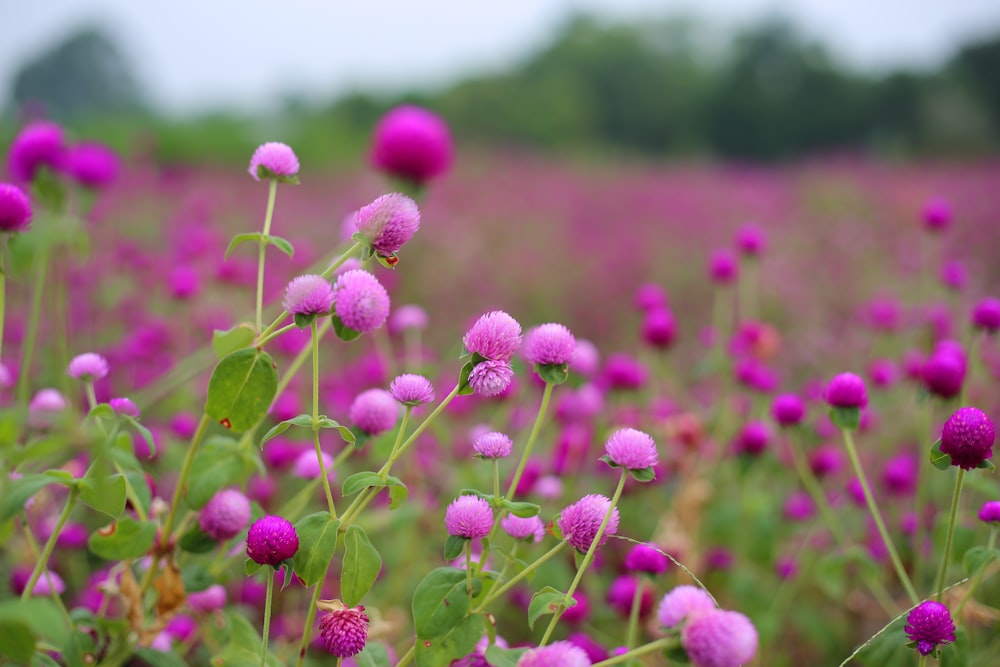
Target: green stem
{"type": "Point", "coordinates": [588, 558]}
{"type": "Point", "coordinates": [267, 614]}
{"type": "Point", "coordinates": [990, 546]}
{"type": "Point", "coordinates": [314, 338]}
{"type": "Point", "coordinates": [497, 592]}
{"type": "Point", "coordinates": [53, 593]}
{"type": "Point", "coordinates": [420, 429]}
{"type": "Point", "coordinates": [496, 477]}
{"type": "Point", "coordinates": [951, 533]}
{"type": "Point", "coordinates": [468, 568]}
{"type": "Point", "coordinates": [272, 192]}
{"type": "Point", "coordinates": [3, 288]}
{"type": "Point", "coordinates": [199, 433]}
{"type": "Point", "coordinates": [658, 645]}
{"type": "Point", "coordinates": [310, 617]}
{"type": "Point", "coordinates": [50, 544]}
{"type": "Point", "coordinates": [632, 634]}
{"type": "Point", "coordinates": [536, 427]}
{"type": "Point", "coordinates": [366, 496]}
{"type": "Point", "coordinates": [407, 657]}
{"type": "Point", "coordinates": [877, 516]}
{"type": "Point", "coordinates": [31, 332]}
{"type": "Point", "coordinates": [91, 395]}
{"type": "Point", "coordinates": [264, 338]}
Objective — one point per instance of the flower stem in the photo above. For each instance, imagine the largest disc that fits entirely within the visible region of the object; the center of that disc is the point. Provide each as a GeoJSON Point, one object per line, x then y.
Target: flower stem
{"type": "Point", "coordinates": [310, 617]}
{"type": "Point", "coordinates": [267, 613]}
{"type": "Point", "coordinates": [497, 592]}
{"type": "Point", "coordinates": [658, 645]}
{"type": "Point", "coordinates": [314, 342]}
{"type": "Point", "coordinates": [632, 634]}
{"type": "Point", "coordinates": [196, 439]}
{"type": "Point", "coordinates": [420, 429]}
{"type": "Point", "coordinates": [50, 544]}
{"type": "Point", "coordinates": [407, 657]}
{"type": "Point", "coordinates": [877, 516]}
{"type": "Point", "coordinates": [3, 288]}
{"type": "Point", "coordinates": [31, 332]}
{"type": "Point", "coordinates": [272, 192]}
{"type": "Point", "coordinates": [990, 546]}
{"type": "Point", "coordinates": [468, 568]}
{"type": "Point", "coordinates": [951, 533]}
{"type": "Point", "coordinates": [536, 427]}
{"type": "Point", "coordinates": [496, 477]}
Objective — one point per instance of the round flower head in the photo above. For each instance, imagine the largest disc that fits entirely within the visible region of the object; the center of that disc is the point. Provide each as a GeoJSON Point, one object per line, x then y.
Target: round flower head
{"type": "Point", "coordinates": [87, 367]}
{"type": "Point", "coordinates": [937, 215]}
{"type": "Point", "coordinates": [799, 507]}
{"type": "Point", "coordinates": [409, 316]}
{"type": "Point", "coordinates": [579, 612]}
{"type": "Point", "coordinates": [753, 438]}
{"type": "Point", "coordinates": [954, 275]}
{"type": "Point", "coordinates": [15, 209]}
{"type": "Point", "coordinates": [124, 406]}
{"type": "Point", "coordinates": [344, 631]}
{"type": "Point", "coordinates": [225, 515]}
{"type": "Point", "coordinates": [788, 409]}
{"type": "Point", "coordinates": [943, 373]}
{"type": "Point", "coordinates": [556, 654]}
{"type": "Point", "coordinates": [846, 390]}
{"type": "Point", "coordinates": [388, 222]}
{"type": "Point", "coordinates": [37, 145]}
{"type": "Point", "coordinates": [990, 512]}
{"type": "Point", "coordinates": [183, 282]}
{"type": "Point", "coordinates": [967, 437]}
{"type": "Point", "coordinates": [374, 411]}
{"type": "Point", "coordinates": [623, 371]}
{"type": "Point", "coordinates": [491, 378]}
{"type": "Point", "coordinates": [682, 602]}
{"type": "Point", "coordinates": [308, 295]}
{"type": "Point", "coordinates": [45, 403]}
{"type": "Point", "coordinates": [469, 516]}
{"type": "Point", "coordinates": [495, 335]}
{"type": "Point", "coordinates": [985, 316]}
{"type": "Point", "coordinates": [276, 158]}
{"type": "Point", "coordinates": [659, 328]}
{"type": "Point", "coordinates": [650, 296]}
{"type": "Point", "coordinates": [271, 540]}
{"type": "Point", "coordinates": [211, 599]}
{"type": "Point", "coordinates": [306, 465]}
{"type": "Point", "coordinates": [631, 449]}
{"type": "Point", "coordinates": [549, 344]}
{"type": "Point", "coordinates": [580, 521]}
{"type": "Point", "coordinates": [412, 143]}
{"type": "Point", "coordinates": [586, 358]}
{"type": "Point", "coordinates": [360, 301]}
{"type": "Point", "coordinates": [930, 624]}
{"type": "Point", "coordinates": [751, 240]}
{"type": "Point", "coordinates": [493, 445]}
{"type": "Point", "coordinates": [722, 267]}
{"type": "Point", "coordinates": [92, 165]}
{"type": "Point", "coordinates": [719, 638]}
{"type": "Point", "coordinates": [412, 390]}
{"type": "Point", "coordinates": [478, 656]}
{"type": "Point", "coordinates": [522, 529]}
{"type": "Point", "coordinates": [646, 558]}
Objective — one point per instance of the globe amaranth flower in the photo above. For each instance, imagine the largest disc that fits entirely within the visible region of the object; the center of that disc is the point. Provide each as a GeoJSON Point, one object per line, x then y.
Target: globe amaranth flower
{"type": "Point", "coordinates": [124, 406]}
{"type": "Point", "coordinates": [15, 208]}
{"type": "Point", "coordinates": [412, 143]}
{"type": "Point", "coordinates": [967, 437]}
{"type": "Point", "coordinates": [493, 445]}
{"type": "Point", "coordinates": [659, 329]}
{"type": "Point", "coordinates": [586, 358]}
{"type": "Point", "coordinates": [344, 630]}
{"type": "Point", "coordinates": [360, 301]}
{"type": "Point", "coordinates": [846, 390]}
{"type": "Point", "coordinates": [412, 390]}
{"type": "Point", "coordinates": [478, 656]}
{"type": "Point", "coordinates": [943, 373]}
{"type": "Point", "coordinates": [651, 296]}
{"type": "Point", "coordinates": [681, 602]}
{"type": "Point", "coordinates": [92, 165]}
{"type": "Point", "coordinates": [211, 599]}
{"type": "Point", "coordinates": [580, 521]}
{"type": "Point", "coordinates": [751, 240]}
{"type": "Point", "coordinates": [374, 411]}
{"type": "Point", "coordinates": [622, 592]}
{"type": "Point", "coordinates": [631, 449]}
{"type": "Point", "coordinates": [495, 336]}
{"type": "Point", "coordinates": [719, 638]}
{"type": "Point", "coordinates": [469, 517]}
{"type": "Point", "coordinates": [556, 654]}
{"type": "Point", "coordinates": [491, 378]}
{"type": "Point", "coordinates": [38, 145]}
{"type": "Point", "coordinates": [388, 222]}
{"type": "Point", "coordinates": [986, 315]}
{"type": "Point", "coordinates": [990, 512]}
{"type": "Point", "coordinates": [278, 161]}
{"type": "Point", "coordinates": [646, 558]}
{"type": "Point", "coordinates": [271, 540]}
{"type": "Point", "coordinates": [308, 295]}
{"type": "Point", "coordinates": [930, 624]}
{"type": "Point", "coordinates": [408, 316]}
{"type": "Point", "coordinates": [753, 438]}
{"type": "Point", "coordinates": [306, 465]}
{"type": "Point", "coordinates": [225, 515]}
{"type": "Point", "coordinates": [549, 344]}
{"type": "Point", "coordinates": [523, 528]}
{"type": "Point", "coordinates": [937, 214]}
{"type": "Point", "coordinates": [788, 409]}
{"type": "Point", "coordinates": [722, 267]}
{"type": "Point", "coordinates": [87, 367]}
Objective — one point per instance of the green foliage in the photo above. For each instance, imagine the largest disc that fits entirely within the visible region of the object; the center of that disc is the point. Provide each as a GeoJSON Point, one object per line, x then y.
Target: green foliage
{"type": "Point", "coordinates": [220, 462]}
{"type": "Point", "coordinates": [317, 542]}
{"type": "Point", "coordinates": [126, 538]}
{"type": "Point", "coordinates": [242, 387]}
{"type": "Point", "coordinates": [361, 566]}
{"type": "Point", "coordinates": [230, 340]}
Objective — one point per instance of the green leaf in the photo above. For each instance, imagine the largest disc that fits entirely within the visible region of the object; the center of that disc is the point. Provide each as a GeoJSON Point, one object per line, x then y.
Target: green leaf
{"type": "Point", "coordinates": [440, 601]}
{"type": "Point", "coordinates": [463, 377]}
{"type": "Point", "coordinates": [303, 320]}
{"type": "Point", "coordinates": [24, 623]}
{"type": "Point", "coordinates": [343, 331]}
{"type": "Point", "coordinates": [361, 566]}
{"type": "Point", "coordinates": [196, 541]}
{"type": "Point", "coordinates": [397, 496]}
{"type": "Point", "coordinates": [43, 660]}
{"type": "Point", "coordinates": [956, 654]}
{"type": "Point", "coordinates": [143, 432]}
{"type": "Point", "coordinates": [546, 601]}
{"type": "Point", "coordinates": [643, 475]}
{"type": "Point", "coordinates": [79, 649]}
{"type": "Point", "coordinates": [362, 480]}
{"type": "Point", "coordinates": [106, 494]}
{"type": "Point", "coordinates": [155, 658]}
{"type": "Point", "coordinates": [939, 459]}
{"type": "Point", "coordinates": [251, 567]}
{"type": "Point", "coordinates": [229, 341]}
{"type": "Point", "coordinates": [521, 509]}
{"type": "Point", "coordinates": [317, 542]}
{"type": "Point", "coordinates": [196, 578]}
{"type": "Point", "coordinates": [553, 373]}
{"type": "Point", "coordinates": [18, 491]}
{"type": "Point", "coordinates": [282, 244]}
{"type": "Point", "coordinates": [374, 655]}
{"type": "Point", "coordinates": [977, 558]}
{"type": "Point", "coordinates": [456, 643]}
{"type": "Point", "coordinates": [346, 434]}
{"type": "Point", "coordinates": [123, 539]}
{"type": "Point", "coordinates": [102, 410]}
{"type": "Point", "coordinates": [242, 238]}
{"type": "Point", "coordinates": [218, 464]}
{"type": "Point", "coordinates": [986, 464]}
{"type": "Point", "coordinates": [504, 657]}
{"type": "Point", "coordinates": [454, 546]}
{"type": "Point", "coordinates": [846, 418]}
{"type": "Point", "coordinates": [242, 388]}
{"type": "Point", "coordinates": [304, 421]}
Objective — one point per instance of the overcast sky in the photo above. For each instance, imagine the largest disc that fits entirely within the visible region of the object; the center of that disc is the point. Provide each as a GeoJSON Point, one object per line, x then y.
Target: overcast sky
{"type": "Point", "coordinates": [199, 54]}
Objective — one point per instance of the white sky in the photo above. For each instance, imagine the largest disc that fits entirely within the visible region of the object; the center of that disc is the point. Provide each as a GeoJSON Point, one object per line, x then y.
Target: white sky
{"type": "Point", "coordinates": [200, 54]}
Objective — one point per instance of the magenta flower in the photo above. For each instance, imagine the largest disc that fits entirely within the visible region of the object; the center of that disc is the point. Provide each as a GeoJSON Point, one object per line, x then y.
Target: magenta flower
{"type": "Point", "coordinates": [271, 540]}
{"type": "Point", "coordinates": [943, 373]}
{"type": "Point", "coordinates": [344, 631]}
{"type": "Point", "coordinates": [580, 521]}
{"type": "Point", "coordinates": [937, 214]}
{"type": "Point", "coordinates": [211, 599]}
{"type": "Point", "coordinates": [985, 315]}
{"type": "Point", "coordinates": [722, 267]}
{"type": "Point", "coordinates": [930, 624]}
{"type": "Point", "coordinates": [374, 411]}
{"type": "Point", "coordinates": [529, 528]}
{"type": "Point", "coordinates": [306, 465]}
{"type": "Point", "coordinates": [631, 449]}
{"type": "Point", "coordinates": [681, 602]}
{"type": "Point", "coordinates": [651, 296]}
{"type": "Point", "coordinates": [87, 367]}
{"type": "Point", "coordinates": [225, 515]}
{"type": "Point", "coordinates": [753, 438]}
{"type": "Point", "coordinates": [990, 512]}
{"type": "Point", "coordinates": [659, 328]}
{"type": "Point", "coordinates": [646, 558]}
{"type": "Point", "coordinates": [556, 654]}
{"type": "Point", "coordinates": [846, 390]}
{"type": "Point", "coordinates": [92, 165]}
{"type": "Point", "coordinates": [273, 160]}
{"type": "Point", "coordinates": [412, 390]}
{"type": "Point", "coordinates": [308, 295]}
{"type": "Point", "coordinates": [360, 301]}
{"type": "Point", "coordinates": [409, 316]}
{"type": "Point", "coordinates": [38, 145]}
{"type": "Point", "coordinates": [719, 638]}
{"type": "Point", "coordinates": [491, 378]}
{"type": "Point", "coordinates": [967, 437]}
{"type": "Point", "coordinates": [549, 344]}
{"type": "Point", "coordinates": [412, 143]}
{"type": "Point", "coordinates": [15, 209]}
{"type": "Point", "coordinates": [586, 358]}
{"type": "Point", "coordinates": [621, 594]}
{"type": "Point", "coordinates": [788, 409]}
{"type": "Point", "coordinates": [495, 336]}
{"type": "Point", "coordinates": [751, 240]}
{"type": "Point", "coordinates": [493, 445]}
{"type": "Point", "coordinates": [124, 406]}
{"type": "Point", "coordinates": [469, 517]}
{"type": "Point", "coordinates": [388, 222]}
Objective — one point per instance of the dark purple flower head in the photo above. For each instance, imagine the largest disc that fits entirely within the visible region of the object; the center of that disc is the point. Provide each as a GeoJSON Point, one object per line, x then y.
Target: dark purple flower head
{"type": "Point", "coordinates": [469, 516]}
{"type": "Point", "coordinates": [308, 295]}
{"type": "Point", "coordinates": [659, 329]}
{"type": "Point", "coordinates": [360, 301]}
{"type": "Point", "coordinates": [495, 336]}
{"type": "Point", "coordinates": [631, 449]}
{"type": "Point", "coordinates": [412, 143]}
{"type": "Point", "coordinates": [491, 378]}
{"type": "Point", "coordinates": [751, 240]}
{"type": "Point", "coordinates": [967, 437]}
{"type": "Point", "coordinates": [87, 367]}
{"type": "Point", "coordinates": [580, 521]}
{"type": "Point", "coordinates": [681, 602]}
{"type": "Point", "coordinates": [92, 165]}
{"type": "Point", "coordinates": [37, 145]}
{"type": "Point", "coordinates": [277, 158]}
{"type": "Point", "coordinates": [646, 558]}
{"type": "Point", "coordinates": [719, 638]}
{"type": "Point", "coordinates": [846, 390]}
{"type": "Point", "coordinates": [225, 515]}
{"type": "Point", "coordinates": [986, 315]}
{"type": "Point", "coordinates": [556, 654]}
{"type": "Point", "coordinates": [15, 209]}
{"type": "Point", "coordinates": [271, 540]}
{"type": "Point", "coordinates": [493, 445]}
{"type": "Point", "coordinates": [930, 624]}
{"type": "Point", "coordinates": [412, 390]}
{"type": "Point", "coordinates": [937, 214]}
{"type": "Point", "coordinates": [374, 411]}
{"type": "Point", "coordinates": [753, 438]}
{"type": "Point", "coordinates": [124, 406]}
{"type": "Point", "coordinates": [788, 409]}
{"type": "Point", "coordinates": [990, 512]}
{"type": "Point", "coordinates": [523, 528]}
{"type": "Point", "coordinates": [723, 267]}
{"type": "Point", "coordinates": [388, 222]}
{"type": "Point", "coordinates": [650, 296]}
{"type": "Point", "coordinates": [549, 344]}
{"type": "Point", "coordinates": [344, 630]}
{"type": "Point", "coordinates": [595, 650]}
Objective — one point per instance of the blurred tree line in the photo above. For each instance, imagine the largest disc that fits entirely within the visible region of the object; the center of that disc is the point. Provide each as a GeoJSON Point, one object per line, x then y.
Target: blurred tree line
{"type": "Point", "coordinates": [659, 88]}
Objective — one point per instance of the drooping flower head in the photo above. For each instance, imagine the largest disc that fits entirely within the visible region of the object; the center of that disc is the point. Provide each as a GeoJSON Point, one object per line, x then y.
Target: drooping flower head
{"type": "Point", "coordinates": [930, 624]}
{"type": "Point", "coordinates": [556, 654]}
{"type": "Point", "coordinates": [271, 540]}
{"type": "Point", "coordinates": [374, 411]}
{"type": "Point", "coordinates": [631, 449]}
{"type": "Point", "coordinates": [38, 145]}
{"type": "Point", "coordinates": [360, 301]}
{"type": "Point", "coordinates": [87, 367]}
{"type": "Point", "coordinates": [469, 517]}
{"type": "Point", "coordinates": [967, 437]}
{"type": "Point", "coordinates": [412, 390]}
{"type": "Point", "coordinates": [495, 336]}
{"type": "Point", "coordinates": [92, 165]}
{"type": "Point", "coordinates": [15, 208]}
{"type": "Point", "coordinates": [388, 222]}
{"type": "Point", "coordinates": [549, 344]}
{"type": "Point", "coordinates": [308, 295]}
{"type": "Point", "coordinates": [493, 445]}
{"type": "Point", "coordinates": [580, 521]}
{"type": "Point", "coordinates": [846, 390]}
{"type": "Point", "coordinates": [225, 515]}
{"type": "Point", "coordinates": [491, 378]}
{"type": "Point", "coordinates": [719, 638]}
{"type": "Point", "coordinates": [681, 602]}
{"type": "Point", "coordinates": [344, 630]}
{"type": "Point", "coordinates": [273, 160]}
{"type": "Point", "coordinates": [412, 143]}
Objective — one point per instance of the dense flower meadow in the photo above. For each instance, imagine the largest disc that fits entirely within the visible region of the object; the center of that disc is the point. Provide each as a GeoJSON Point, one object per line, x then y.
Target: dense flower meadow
{"type": "Point", "coordinates": [455, 408]}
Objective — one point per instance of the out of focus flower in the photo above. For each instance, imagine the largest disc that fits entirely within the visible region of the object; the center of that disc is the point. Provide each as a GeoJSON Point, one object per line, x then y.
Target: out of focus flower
{"type": "Point", "coordinates": [412, 143]}
{"type": "Point", "coordinates": [15, 208]}
{"type": "Point", "coordinates": [273, 160]}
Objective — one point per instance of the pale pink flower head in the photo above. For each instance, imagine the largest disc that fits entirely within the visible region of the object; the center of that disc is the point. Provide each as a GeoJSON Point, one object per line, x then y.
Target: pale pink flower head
{"type": "Point", "coordinates": [360, 301]}
{"type": "Point", "coordinates": [631, 449]}
{"type": "Point", "coordinates": [15, 209]}
{"type": "Point", "coordinates": [469, 516]}
{"type": "Point", "coordinates": [388, 222]}
{"type": "Point", "coordinates": [495, 335]}
{"type": "Point", "coordinates": [719, 638]}
{"type": "Point", "coordinates": [225, 515]}
{"type": "Point", "coordinates": [412, 390]}
{"type": "Point", "coordinates": [549, 345]}
{"type": "Point", "coordinates": [274, 160]}
{"type": "Point", "coordinates": [374, 411]}
{"type": "Point", "coordinates": [308, 295]}
{"type": "Point", "coordinates": [408, 316]}
{"type": "Point", "coordinates": [681, 602]}
{"type": "Point", "coordinates": [88, 367]}
{"type": "Point", "coordinates": [491, 378]}
{"type": "Point", "coordinates": [580, 521]}
{"type": "Point", "coordinates": [556, 654]}
{"type": "Point", "coordinates": [211, 599]}
{"type": "Point", "coordinates": [124, 406]}
{"type": "Point", "coordinates": [412, 143]}
{"type": "Point", "coordinates": [493, 445]}
{"type": "Point", "coordinates": [92, 165]}
{"type": "Point", "coordinates": [528, 528]}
